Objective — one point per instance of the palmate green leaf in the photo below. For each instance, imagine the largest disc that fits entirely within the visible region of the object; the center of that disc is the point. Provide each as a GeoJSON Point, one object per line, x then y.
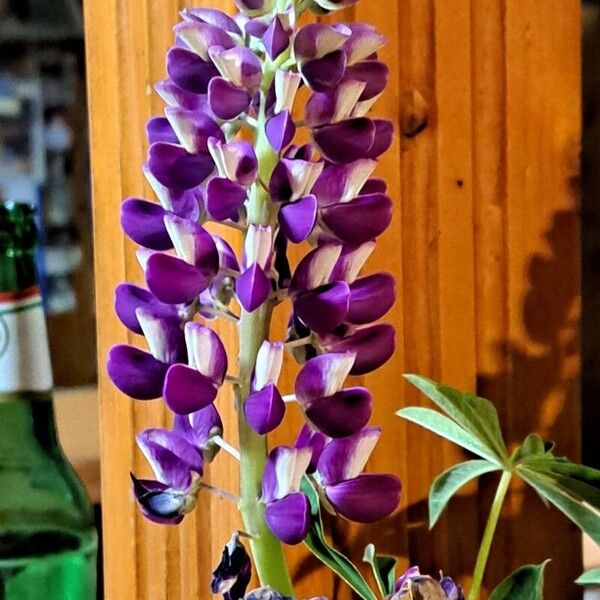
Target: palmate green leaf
{"type": "Point", "coordinates": [318, 545]}
{"type": "Point", "coordinates": [384, 569]}
{"type": "Point", "coordinates": [589, 578]}
{"type": "Point", "coordinates": [447, 428]}
{"type": "Point", "coordinates": [576, 498]}
{"type": "Point", "coordinates": [526, 583]}
{"type": "Point", "coordinates": [450, 481]}
{"type": "Point", "coordinates": [474, 414]}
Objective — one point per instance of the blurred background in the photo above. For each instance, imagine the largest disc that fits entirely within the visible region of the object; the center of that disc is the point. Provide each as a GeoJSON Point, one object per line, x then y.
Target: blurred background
{"type": "Point", "coordinates": [44, 160]}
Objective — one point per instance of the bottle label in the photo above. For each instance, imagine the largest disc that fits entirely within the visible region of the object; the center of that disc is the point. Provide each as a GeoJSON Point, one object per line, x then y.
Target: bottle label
{"type": "Point", "coordinates": [24, 356]}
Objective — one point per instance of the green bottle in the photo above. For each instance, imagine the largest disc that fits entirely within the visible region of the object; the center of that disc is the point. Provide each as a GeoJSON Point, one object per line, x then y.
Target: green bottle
{"type": "Point", "coordinates": [48, 542]}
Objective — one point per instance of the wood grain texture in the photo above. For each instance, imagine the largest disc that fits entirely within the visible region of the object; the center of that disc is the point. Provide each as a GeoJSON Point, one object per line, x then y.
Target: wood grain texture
{"type": "Point", "coordinates": [484, 243]}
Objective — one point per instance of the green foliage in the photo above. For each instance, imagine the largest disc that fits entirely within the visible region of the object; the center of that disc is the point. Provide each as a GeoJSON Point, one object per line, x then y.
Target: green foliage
{"type": "Point", "coordinates": [589, 578]}
{"type": "Point", "coordinates": [320, 547]}
{"type": "Point", "coordinates": [384, 569]}
{"type": "Point", "coordinates": [526, 583]}
{"type": "Point", "coordinates": [472, 423]}
{"type": "Point", "coordinates": [449, 482]}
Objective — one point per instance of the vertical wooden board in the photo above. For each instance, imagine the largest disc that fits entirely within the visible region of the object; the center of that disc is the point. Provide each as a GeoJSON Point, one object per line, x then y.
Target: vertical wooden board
{"type": "Point", "coordinates": [117, 422]}
{"type": "Point", "coordinates": [543, 108]}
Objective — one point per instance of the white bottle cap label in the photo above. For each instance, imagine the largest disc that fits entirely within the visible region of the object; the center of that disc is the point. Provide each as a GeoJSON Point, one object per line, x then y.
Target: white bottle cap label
{"type": "Point", "coordinates": [24, 356]}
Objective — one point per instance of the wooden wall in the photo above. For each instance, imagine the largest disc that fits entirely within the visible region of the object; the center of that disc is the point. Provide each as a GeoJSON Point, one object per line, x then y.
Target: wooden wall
{"type": "Point", "coordinates": [485, 95]}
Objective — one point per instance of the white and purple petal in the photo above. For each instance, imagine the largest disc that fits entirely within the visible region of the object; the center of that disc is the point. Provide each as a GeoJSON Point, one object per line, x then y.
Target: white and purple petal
{"type": "Point", "coordinates": [347, 457]}
{"type": "Point", "coordinates": [158, 129]}
{"type": "Point", "coordinates": [316, 40]}
{"type": "Point", "coordinates": [238, 65]}
{"type": "Point", "coordinates": [283, 472]}
{"type": "Point", "coordinates": [341, 183]}
{"type": "Point", "coordinates": [163, 334]}
{"type": "Point", "coordinates": [174, 281]}
{"type": "Point", "coordinates": [193, 128]}
{"type": "Point", "coordinates": [363, 42]}
{"type": "Point", "coordinates": [269, 362]}
{"type": "Point", "coordinates": [323, 74]}
{"type": "Point", "coordinates": [315, 268]}
{"type": "Point", "coordinates": [201, 36]}
{"type": "Point", "coordinates": [206, 351]}
{"type": "Point", "coordinates": [286, 86]}
{"type": "Point", "coordinates": [193, 244]}
{"type": "Point", "coordinates": [236, 160]}
{"type": "Point", "coordinates": [323, 375]}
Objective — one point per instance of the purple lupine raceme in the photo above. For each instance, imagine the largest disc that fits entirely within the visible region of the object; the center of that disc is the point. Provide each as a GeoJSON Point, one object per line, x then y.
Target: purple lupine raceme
{"type": "Point", "coordinates": [226, 151]}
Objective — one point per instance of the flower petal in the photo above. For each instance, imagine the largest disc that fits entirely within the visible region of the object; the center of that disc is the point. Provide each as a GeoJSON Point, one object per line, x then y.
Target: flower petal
{"type": "Point", "coordinates": [316, 40]}
{"type": "Point", "coordinates": [135, 372]}
{"type": "Point", "coordinates": [293, 179]}
{"type": "Point", "coordinates": [351, 261]}
{"type": "Point", "coordinates": [384, 135]}
{"type": "Point", "coordinates": [347, 457]}
{"type": "Point", "coordinates": [186, 390]}
{"type": "Point", "coordinates": [227, 100]}
{"type": "Point", "coordinates": [280, 130]}
{"type": "Point", "coordinates": [269, 362]}
{"type": "Point", "coordinates": [238, 65]}
{"type": "Point", "coordinates": [359, 220]}
{"type": "Point", "coordinates": [174, 281]}
{"type": "Point", "coordinates": [184, 203]}
{"type": "Point", "coordinates": [199, 427]}
{"type": "Point", "coordinates": [276, 38]}
{"type": "Point", "coordinates": [143, 222]}
{"type": "Point", "coordinates": [297, 219]}
{"type": "Point", "coordinates": [236, 160]}
{"type": "Point", "coordinates": [129, 297]}
{"type": "Point", "coordinates": [200, 37]}
{"type": "Point", "coordinates": [173, 95]}
{"type": "Point", "coordinates": [286, 86]}
{"type": "Point", "coordinates": [232, 576]}
{"type": "Point", "coordinates": [367, 498]}
{"type": "Point", "coordinates": [258, 245]}
{"type": "Point", "coordinates": [325, 73]}
{"type": "Point", "coordinates": [158, 129]}
{"type": "Point", "coordinates": [224, 198]}
{"type": "Point", "coordinates": [323, 308]}
{"type": "Point", "coordinates": [193, 128]}
{"type": "Point", "coordinates": [370, 298]}
{"type": "Point", "coordinates": [213, 16]}
{"type": "Point", "coordinates": [289, 518]}
{"type": "Point", "coordinates": [323, 375]}
{"type": "Point", "coordinates": [342, 183]}
{"type": "Point", "coordinates": [283, 472]}
{"type": "Point", "coordinates": [346, 141]}
{"type": "Point", "coordinates": [193, 244]}
{"type": "Point", "coordinates": [189, 71]}
{"type": "Point", "coordinates": [342, 414]}
{"type": "Point", "coordinates": [373, 346]}
{"type": "Point", "coordinates": [313, 439]}
{"type": "Point", "coordinates": [372, 72]}
{"type": "Point", "coordinates": [364, 41]}
{"type": "Point", "coordinates": [163, 334]}
{"type": "Point", "coordinates": [315, 268]}
{"type": "Point", "coordinates": [264, 410]}
{"type": "Point", "coordinates": [252, 288]}
{"type": "Point", "coordinates": [158, 502]}
{"type": "Point", "coordinates": [174, 167]}
{"type": "Point", "coordinates": [206, 351]}
{"type": "Point", "coordinates": [171, 456]}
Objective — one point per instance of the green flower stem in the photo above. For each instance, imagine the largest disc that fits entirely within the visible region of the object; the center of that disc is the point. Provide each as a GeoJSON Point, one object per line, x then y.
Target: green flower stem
{"type": "Point", "coordinates": [488, 535]}
{"type": "Point", "coordinates": [253, 330]}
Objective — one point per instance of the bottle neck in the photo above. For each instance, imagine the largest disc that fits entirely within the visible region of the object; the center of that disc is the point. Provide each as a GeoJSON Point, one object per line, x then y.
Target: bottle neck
{"type": "Point", "coordinates": [25, 367]}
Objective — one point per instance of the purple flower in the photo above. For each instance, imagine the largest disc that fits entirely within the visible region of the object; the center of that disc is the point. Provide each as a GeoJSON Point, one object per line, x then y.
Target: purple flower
{"type": "Point", "coordinates": [357, 496]}
{"type": "Point", "coordinates": [287, 510]}
{"type": "Point", "coordinates": [264, 407]}
{"type": "Point", "coordinates": [334, 410]}
{"type": "Point", "coordinates": [178, 467]}
{"type": "Point", "coordinates": [233, 574]}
